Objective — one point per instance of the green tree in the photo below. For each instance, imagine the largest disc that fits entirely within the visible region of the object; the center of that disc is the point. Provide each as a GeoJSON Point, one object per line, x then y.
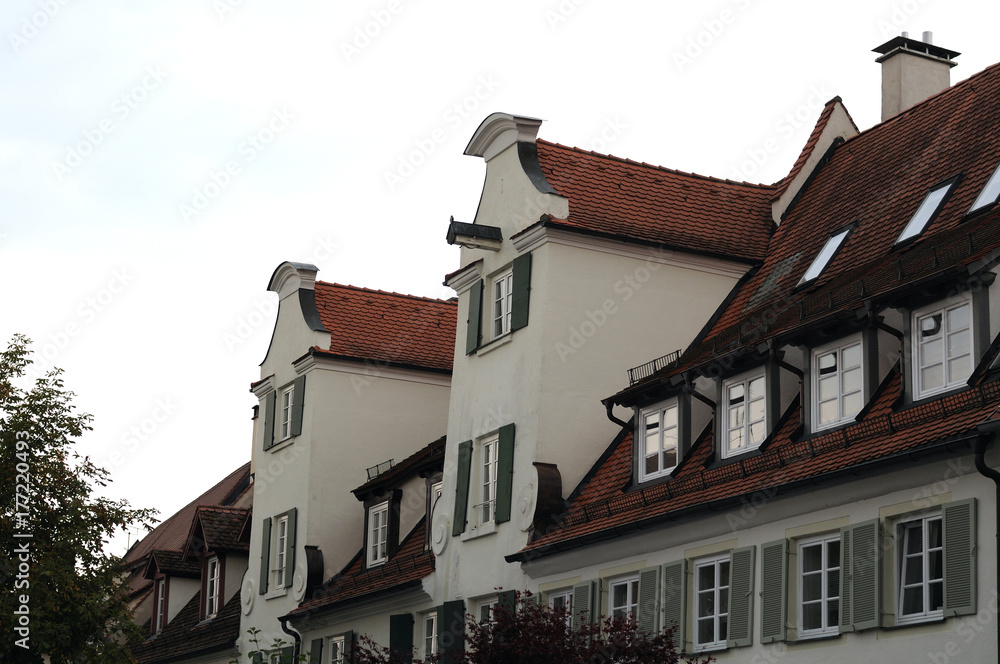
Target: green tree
{"type": "Point", "coordinates": [62, 595]}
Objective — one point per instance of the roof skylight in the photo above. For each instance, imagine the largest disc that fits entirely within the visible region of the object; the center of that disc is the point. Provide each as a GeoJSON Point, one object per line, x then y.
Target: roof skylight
{"type": "Point", "coordinates": [927, 210]}
{"type": "Point", "coordinates": [823, 257]}
{"type": "Point", "coordinates": [990, 192]}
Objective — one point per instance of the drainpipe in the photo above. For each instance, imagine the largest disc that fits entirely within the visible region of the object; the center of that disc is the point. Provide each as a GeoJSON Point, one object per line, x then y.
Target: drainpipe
{"type": "Point", "coordinates": [986, 430]}
{"type": "Point", "coordinates": [609, 404]}
{"type": "Point", "coordinates": [294, 635]}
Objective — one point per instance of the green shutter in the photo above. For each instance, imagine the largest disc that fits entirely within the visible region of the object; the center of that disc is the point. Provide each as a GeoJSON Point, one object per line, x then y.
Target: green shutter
{"type": "Point", "coordinates": [860, 577]}
{"type": "Point", "coordinates": [265, 555]}
{"type": "Point", "coordinates": [507, 599]}
{"type": "Point", "coordinates": [348, 644]}
{"type": "Point", "coordinates": [258, 658]}
{"type": "Point", "coordinates": [475, 317]}
{"type": "Point", "coordinates": [298, 399]}
{"type": "Point", "coordinates": [520, 291]}
{"type": "Point", "coordinates": [316, 652]}
{"type": "Point", "coordinates": [288, 655]}
{"type": "Point", "coordinates": [505, 473]}
{"type": "Point", "coordinates": [290, 546]}
{"type": "Point", "coordinates": [462, 487]}
{"type": "Point", "coordinates": [401, 636]}
{"type": "Point", "coordinates": [584, 601]}
{"type": "Point", "coordinates": [773, 588]}
{"type": "Point", "coordinates": [958, 523]}
{"type": "Point", "coordinates": [451, 631]}
{"type": "Point", "coordinates": [673, 598]}
{"type": "Point", "coordinates": [270, 404]}
{"type": "Point", "coordinates": [741, 584]}
{"type": "Point", "coordinates": [647, 609]}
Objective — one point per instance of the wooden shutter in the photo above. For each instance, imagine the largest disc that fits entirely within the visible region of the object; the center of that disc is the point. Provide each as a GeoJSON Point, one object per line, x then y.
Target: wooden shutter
{"type": "Point", "coordinates": [860, 577]}
{"type": "Point", "coordinates": [462, 487]}
{"type": "Point", "coordinates": [270, 404]}
{"type": "Point", "coordinates": [505, 472]}
{"type": "Point", "coordinates": [673, 596]}
{"type": "Point", "coordinates": [584, 601]}
{"type": "Point", "coordinates": [741, 599]}
{"type": "Point", "coordinates": [265, 555]}
{"type": "Point", "coordinates": [473, 331]}
{"type": "Point", "coordinates": [293, 515]}
{"type": "Point", "coordinates": [648, 607]}
{"type": "Point", "coordinates": [773, 589]}
{"type": "Point", "coordinates": [520, 291]}
{"type": "Point", "coordinates": [401, 636]}
{"type": "Point", "coordinates": [316, 651]}
{"type": "Point", "coordinates": [451, 631]}
{"type": "Point", "coordinates": [958, 523]}
{"type": "Point", "coordinates": [298, 399]}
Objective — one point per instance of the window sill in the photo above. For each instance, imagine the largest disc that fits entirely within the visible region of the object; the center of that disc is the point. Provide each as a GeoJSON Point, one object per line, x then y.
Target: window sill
{"type": "Point", "coordinates": [281, 444]}
{"type": "Point", "coordinates": [914, 622]}
{"type": "Point", "coordinates": [494, 344]}
{"type": "Point", "coordinates": [805, 638]}
{"type": "Point", "coordinates": [272, 594]}
{"type": "Point", "coordinates": [481, 531]}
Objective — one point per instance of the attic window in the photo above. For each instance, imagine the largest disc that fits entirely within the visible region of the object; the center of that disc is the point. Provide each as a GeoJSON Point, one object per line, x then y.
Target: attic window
{"type": "Point", "coordinates": [928, 209]}
{"type": "Point", "coordinates": [990, 192]}
{"type": "Point", "coordinates": [824, 256]}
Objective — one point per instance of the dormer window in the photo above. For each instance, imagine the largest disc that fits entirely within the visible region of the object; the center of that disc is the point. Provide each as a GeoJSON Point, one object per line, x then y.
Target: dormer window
{"type": "Point", "coordinates": [824, 256]}
{"type": "Point", "coordinates": [837, 383]}
{"type": "Point", "coordinates": [929, 207]}
{"type": "Point", "coordinates": [989, 194]}
{"type": "Point", "coordinates": [744, 414]}
{"type": "Point", "coordinates": [378, 534]}
{"type": "Point", "coordinates": [658, 440]}
{"type": "Point", "coordinates": [212, 588]}
{"type": "Point", "coordinates": [942, 346]}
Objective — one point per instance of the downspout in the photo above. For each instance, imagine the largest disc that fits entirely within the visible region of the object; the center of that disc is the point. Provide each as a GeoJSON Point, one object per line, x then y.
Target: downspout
{"type": "Point", "coordinates": [987, 429]}
{"type": "Point", "coordinates": [295, 635]}
{"type": "Point", "coordinates": [609, 404]}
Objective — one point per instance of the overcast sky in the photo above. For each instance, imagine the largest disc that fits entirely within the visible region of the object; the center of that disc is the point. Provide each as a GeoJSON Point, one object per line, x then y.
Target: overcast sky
{"type": "Point", "coordinates": [159, 160]}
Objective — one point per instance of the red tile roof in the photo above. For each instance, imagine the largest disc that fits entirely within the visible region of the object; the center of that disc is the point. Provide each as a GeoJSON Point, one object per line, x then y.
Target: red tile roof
{"type": "Point", "coordinates": [428, 457]}
{"type": "Point", "coordinates": [217, 529]}
{"type": "Point", "coordinates": [619, 197]}
{"type": "Point", "coordinates": [387, 327]}
{"type": "Point", "coordinates": [183, 637]}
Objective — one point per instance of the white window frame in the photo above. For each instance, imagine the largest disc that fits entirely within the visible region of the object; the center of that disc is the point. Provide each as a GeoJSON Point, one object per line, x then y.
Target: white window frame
{"type": "Point", "coordinates": [646, 436]}
{"type": "Point", "coordinates": [501, 300]}
{"type": "Point", "coordinates": [378, 534]}
{"type": "Point", "coordinates": [916, 343]}
{"type": "Point", "coordinates": [278, 570]}
{"type": "Point", "coordinates": [631, 605]}
{"type": "Point", "coordinates": [485, 608]}
{"type": "Point", "coordinates": [429, 640]}
{"type": "Point", "coordinates": [745, 381]}
{"type": "Point", "coordinates": [989, 194]}
{"type": "Point", "coordinates": [927, 211]}
{"type": "Point", "coordinates": [716, 563]}
{"type": "Point", "coordinates": [488, 458]}
{"type": "Point", "coordinates": [212, 587]}
{"type": "Point", "coordinates": [903, 560]}
{"type": "Point", "coordinates": [335, 650]}
{"type": "Point", "coordinates": [563, 598]}
{"type": "Point", "coordinates": [837, 347]}
{"type": "Point", "coordinates": [824, 256]}
{"type": "Point", "coordinates": [826, 567]}
{"type": "Point", "coordinates": [160, 616]}
{"type": "Point", "coordinates": [286, 401]}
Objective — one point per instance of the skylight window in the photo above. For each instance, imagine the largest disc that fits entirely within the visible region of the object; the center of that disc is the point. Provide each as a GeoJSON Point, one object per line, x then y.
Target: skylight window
{"type": "Point", "coordinates": [990, 192]}
{"type": "Point", "coordinates": [926, 212]}
{"type": "Point", "coordinates": [824, 256]}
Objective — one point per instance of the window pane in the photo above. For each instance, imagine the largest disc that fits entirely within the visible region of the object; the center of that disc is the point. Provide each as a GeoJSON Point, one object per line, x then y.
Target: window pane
{"type": "Point", "coordinates": [670, 417]}
{"type": "Point", "coordinates": [914, 571]}
{"type": "Point", "coordinates": [833, 553]}
{"type": "Point", "coordinates": [852, 356]}
{"type": "Point", "coordinates": [706, 630]}
{"type": "Point", "coordinates": [913, 601]}
{"type": "Point", "coordinates": [651, 466]}
{"type": "Point", "coordinates": [827, 388]}
{"type": "Point", "coordinates": [937, 596]}
{"type": "Point", "coordinates": [932, 377]}
{"type": "Point", "coordinates": [827, 412]}
{"type": "Point", "coordinates": [914, 535]}
{"type": "Point", "coordinates": [852, 404]}
{"type": "Point", "coordinates": [959, 369]}
{"type": "Point", "coordinates": [736, 417]}
{"type": "Point", "coordinates": [736, 394]}
{"type": "Point", "coordinates": [723, 600]}
{"type": "Point", "coordinates": [833, 613]}
{"type": "Point", "coordinates": [652, 444]}
{"type": "Point", "coordinates": [723, 628]}
{"type": "Point", "coordinates": [934, 533]}
{"type": "Point", "coordinates": [833, 583]}
{"type": "Point", "coordinates": [670, 459]}
{"type": "Point", "coordinates": [757, 388]}
{"type": "Point", "coordinates": [827, 364]}
{"type": "Point", "coordinates": [736, 439]}
{"type": "Point", "coordinates": [851, 380]}
{"type": "Point", "coordinates": [930, 325]}
{"type": "Point", "coordinates": [670, 439]}
{"type": "Point", "coordinates": [812, 616]}
{"type": "Point", "coordinates": [620, 595]}
{"type": "Point", "coordinates": [812, 557]}
{"type": "Point", "coordinates": [706, 577]}
{"type": "Point", "coordinates": [934, 565]}
{"type": "Point", "coordinates": [812, 587]}
{"type": "Point", "coordinates": [959, 343]}
{"type": "Point", "coordinates": [958, 318]}
{"type": "Point", "coordinates": [756, 433]}
{"type": "Point", "coordinates": [756, 410]}
{"type": "Point", "coordinates": [930, 352]}
{"type": "Point", "coordinates": [706, 605]}
{"type": "Point", "coordinates": [724, 573]}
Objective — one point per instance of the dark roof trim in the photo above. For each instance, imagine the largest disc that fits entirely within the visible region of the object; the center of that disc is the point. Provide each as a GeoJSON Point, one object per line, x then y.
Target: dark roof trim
{"type": "Point", "coordinates": [527, 154]}
{"type": "Point", "coordinates": [373, 362]}
{"type": "Point", "coordinates": [307, 301]}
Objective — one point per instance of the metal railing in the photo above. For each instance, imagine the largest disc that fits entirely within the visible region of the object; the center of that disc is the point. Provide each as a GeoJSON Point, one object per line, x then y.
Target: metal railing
{"type": "Point", "coordinates": [646, 370]}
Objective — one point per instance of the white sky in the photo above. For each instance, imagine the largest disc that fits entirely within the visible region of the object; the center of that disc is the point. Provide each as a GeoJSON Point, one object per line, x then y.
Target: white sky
{"type": "Point", "coordinates": [116, 115]}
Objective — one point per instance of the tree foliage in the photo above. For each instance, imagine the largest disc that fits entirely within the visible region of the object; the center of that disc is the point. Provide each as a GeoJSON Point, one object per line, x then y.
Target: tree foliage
{"type": "Point", "coordinates": [59, 586]}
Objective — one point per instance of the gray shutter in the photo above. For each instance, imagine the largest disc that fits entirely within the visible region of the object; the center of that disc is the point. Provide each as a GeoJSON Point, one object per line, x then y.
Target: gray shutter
{"type": "Point", "coordinates": [451, 631]}
{"type": "Point", "coordinates": [860, 578]}
{"type": "Point", "coordinates": [508, 600]}
{"type": "Point", "coordinates": [462, 487]}
{"type": "Point", "coordinates": [288, 655]}
{"type": "Point", "coordinates": [348, 644]}
{"type": "Point", "coordinates": [270, 404]}
{"type": "Point", "coordinates": [773, 588]}
{"type": "Point", "coordinates": [520, 291]}
{"type": "Point", "coordinates": [584, 601]}
{"type": "Point", "coordinates": [298, 399]}
{"type": "Point", "coordinates": [741, 599]}
{"type": "Point", "coordinates": [258, 658]}
{"type": "Point", "coordinates": [505, 473]}
{"type": "Point", "coordinates": [401, 636]}
{"type": "Point", "coordinates": [265, 555]}
{"type": "Point", "coordinates": [673, 599]}
{"type": "Point", "coordinates": [958, 523]}
{"type": "Point", "coordinates": [647, 609]}
{"type": "Point", "coordinates": [316, 651]}
{"type": "Point", "coordinates": [472, 332]}
{"type": "Point", "coordinates": [290, 546]}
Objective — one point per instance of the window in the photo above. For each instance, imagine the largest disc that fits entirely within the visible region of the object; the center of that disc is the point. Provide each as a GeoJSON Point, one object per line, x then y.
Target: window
{"type": "Point", "coordinates": [503, 287]}
{"type": "Point", "coordinates": [624, 598]}
{"type": "Point", "coordinates": [285, 415]}
{"type": "Point", "coordinates": [280, 553]}
{"type": "Point", "coordinates": [925, 213]}
{"type": "Point", "coordinates": [942, 347]}
{"type": "Point", "coordinates": [920, 569]}
{"type": "Point", "coordinates": [212, 588]}
{"type": "Point", "coordinates": [824, 256]}
{"type": "Point", "coordinates": [161, 606]}
{"type": "Point", "coordinates": [744, 414]}
{"type": "Point", "coordinates": [488, 480]}
{"type": "Point", "coordinates": [711, 603]}
{"type": "Point", "coordinates": [819, 586]}
{"type": "Point", "coordinates": [837, 383]}
{"type": "Point", "coordinates": [430, 635]}
{"type": "Point", "coordinates": [659, 440]}
{"type": "Point", "coordinates": [990, 192]}
{"type": "Point", "coordinates": [277, 553]}
{"type": "Point", "coordinates": [484, 483]}
{"type": "Point", "coordinates": [563, 601]}
{"type": "Point", "coordinates": [485, 610]}
{"type": "Point", "coordinates": [336, 650]}
{"type": "Point", "coordinates": [378, 533]}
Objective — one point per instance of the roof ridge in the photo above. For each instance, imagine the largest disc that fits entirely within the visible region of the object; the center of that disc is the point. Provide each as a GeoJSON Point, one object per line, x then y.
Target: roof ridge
{"type": "Point", "coordinates": [663, 169]}
{"type": "Point", "coordinates": [377, 291]}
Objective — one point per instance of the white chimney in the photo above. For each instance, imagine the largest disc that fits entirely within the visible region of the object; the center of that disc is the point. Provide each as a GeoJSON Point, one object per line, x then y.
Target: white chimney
{"type": "Point", "coordinates": [912, 71]}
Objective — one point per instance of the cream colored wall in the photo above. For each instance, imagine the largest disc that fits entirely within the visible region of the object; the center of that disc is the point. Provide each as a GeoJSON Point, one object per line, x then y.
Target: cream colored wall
{"type": "Point", "coordinates": [236, 567]}
{"type": "Point", "coordinates": [180, 592]}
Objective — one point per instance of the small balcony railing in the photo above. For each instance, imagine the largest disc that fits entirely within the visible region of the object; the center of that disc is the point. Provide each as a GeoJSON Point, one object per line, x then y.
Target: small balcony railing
{"type": "Point", "coordinates": [646, 370]}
